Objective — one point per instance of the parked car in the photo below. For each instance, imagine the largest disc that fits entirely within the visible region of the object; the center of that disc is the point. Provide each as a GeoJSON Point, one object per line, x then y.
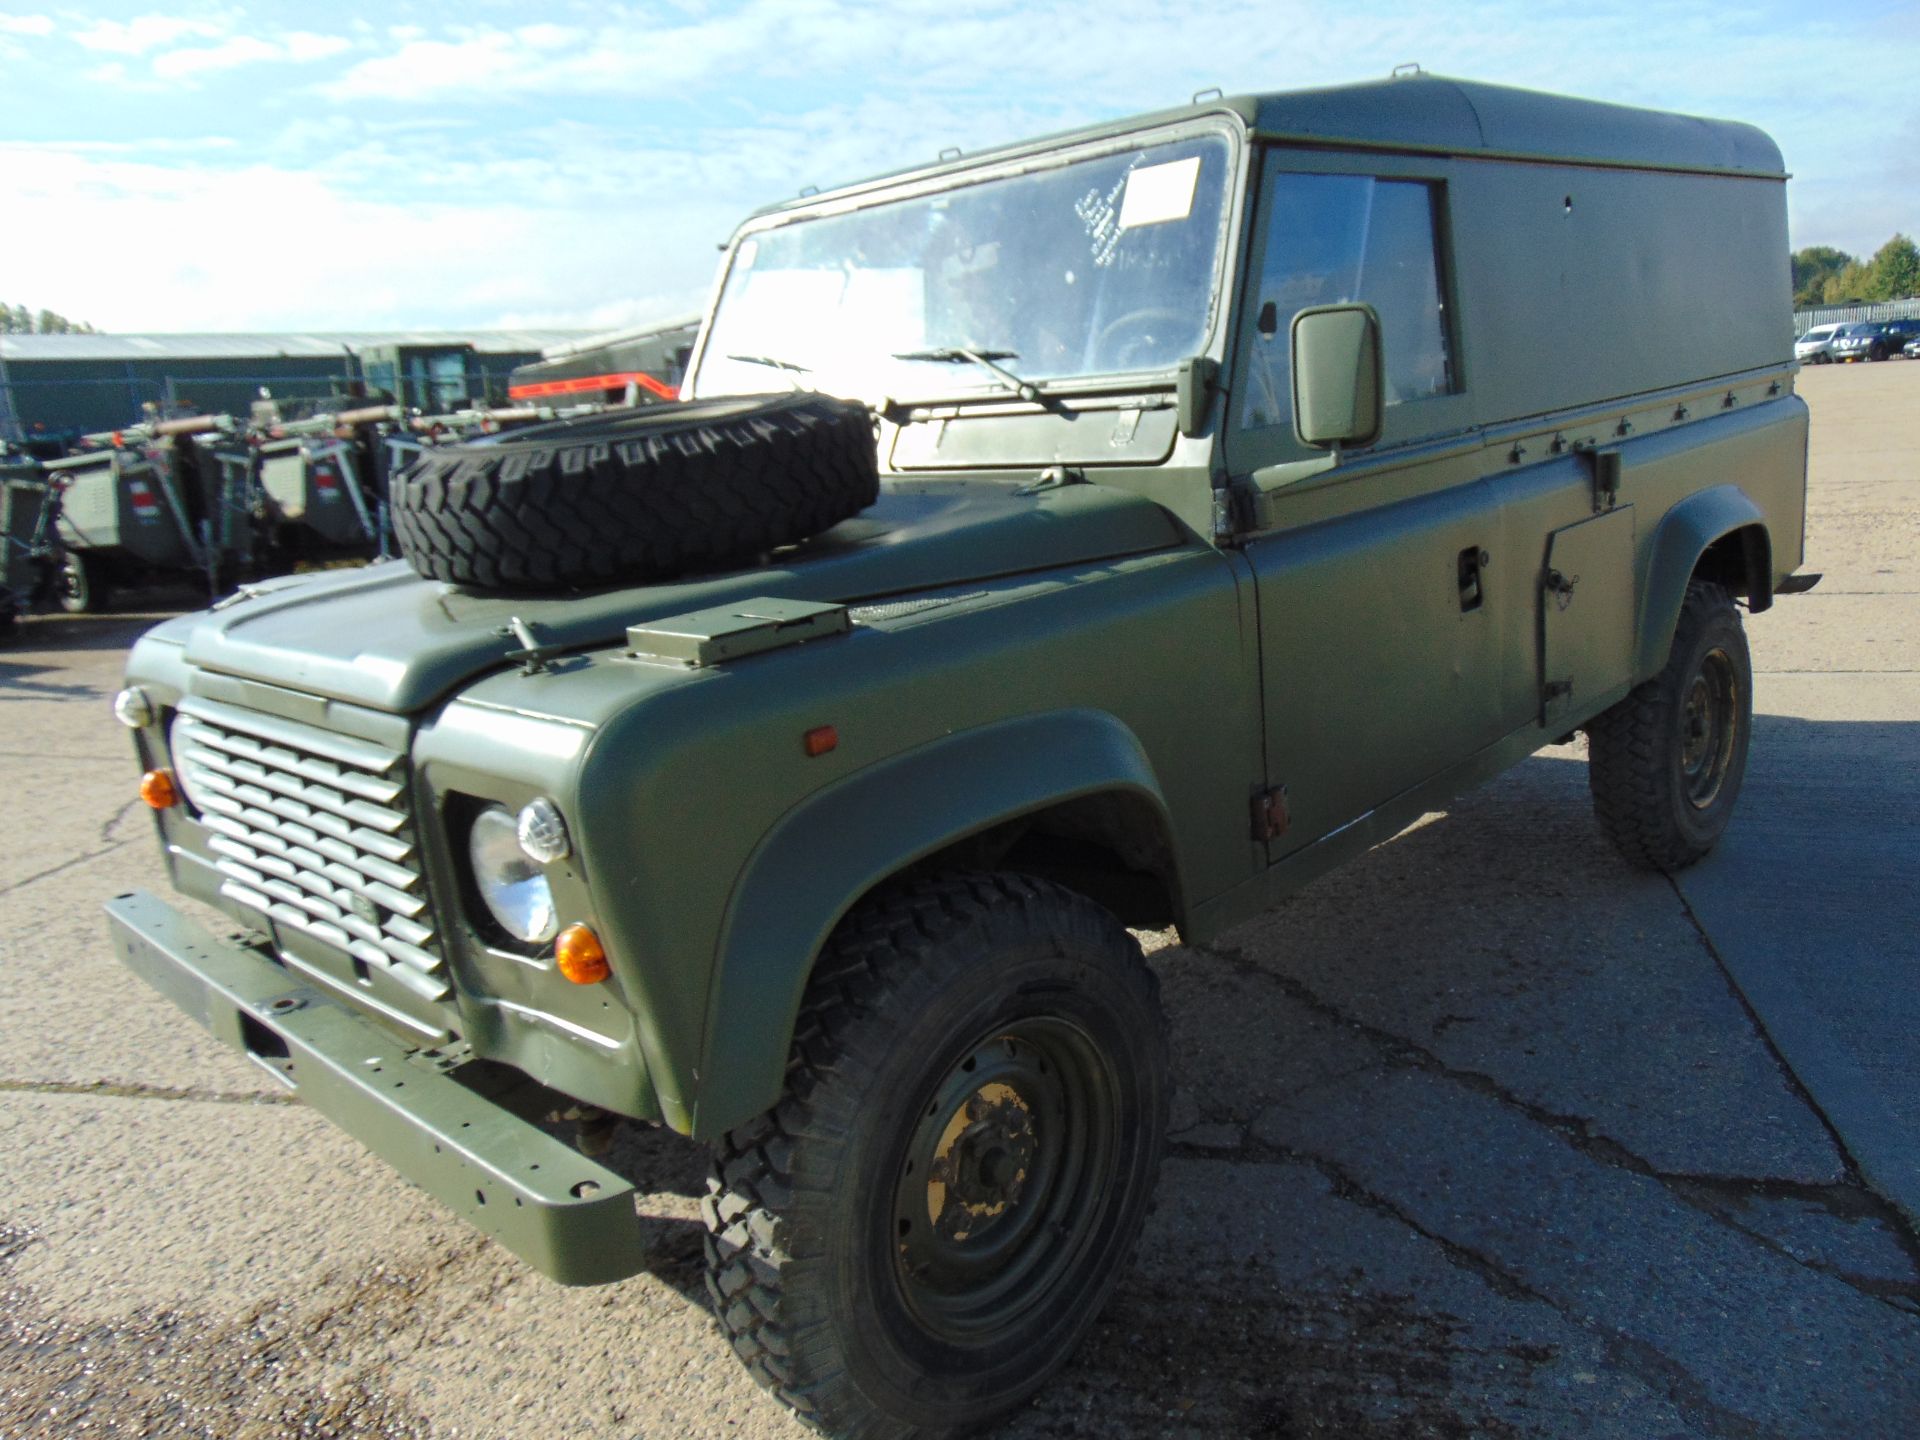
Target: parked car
{"type": "Point", "coordinates": [1899, 334]}
{"type": "Point", "coordinates": [1873, 339]}
{"type": "Point", "coordinates": [1171, 511]}
{"type": "Point", "coordinates": [1816, 346]}
{"type": "Point", "coordinates": [1911, 350]}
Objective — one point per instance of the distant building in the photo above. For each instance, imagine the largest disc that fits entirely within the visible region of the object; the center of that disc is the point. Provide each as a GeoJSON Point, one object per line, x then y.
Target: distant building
{"type": "Point", "coordinates": [649, 360]}
{"type": "Point", "coordinates": [97, 382]}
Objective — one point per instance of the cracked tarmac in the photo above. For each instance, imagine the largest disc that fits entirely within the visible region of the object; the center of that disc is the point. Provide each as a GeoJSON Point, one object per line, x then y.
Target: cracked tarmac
{"type": "Point", "coordinates": [1483, 1135]}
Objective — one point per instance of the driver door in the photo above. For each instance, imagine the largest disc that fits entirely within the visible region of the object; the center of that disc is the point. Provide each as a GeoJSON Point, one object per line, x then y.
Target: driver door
{"type": "Point", "coordinates": [1380, 639]}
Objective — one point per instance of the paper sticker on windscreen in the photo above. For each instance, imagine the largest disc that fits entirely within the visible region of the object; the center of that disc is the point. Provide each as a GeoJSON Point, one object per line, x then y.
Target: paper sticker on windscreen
{"type": "Point", "coordinates": [1159, 193]}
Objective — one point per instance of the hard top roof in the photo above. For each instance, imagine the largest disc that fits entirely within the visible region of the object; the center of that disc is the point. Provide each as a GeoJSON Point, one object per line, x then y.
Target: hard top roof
{"type": "Point", "coordinates": [1434, 114]}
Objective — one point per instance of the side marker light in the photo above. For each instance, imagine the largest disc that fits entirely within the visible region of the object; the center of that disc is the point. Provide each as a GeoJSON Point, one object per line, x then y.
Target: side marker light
{"type": "Point", "coordinates": [581, 960]}
{"type": "Point", "coordinates": [819, 740]}
{"type": "Point", "coordinates": [158, 790]}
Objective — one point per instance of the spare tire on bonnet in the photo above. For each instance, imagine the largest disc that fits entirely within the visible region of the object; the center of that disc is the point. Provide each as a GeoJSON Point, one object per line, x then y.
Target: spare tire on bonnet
{"type": "Point", "coordinates": [641, 494]}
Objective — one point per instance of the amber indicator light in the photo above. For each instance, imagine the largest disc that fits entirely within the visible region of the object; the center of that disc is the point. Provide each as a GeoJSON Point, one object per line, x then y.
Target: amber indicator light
{"type": "Point", "coordinates": [158, 790]}
{"type": "Point", "coordinates": [819, 740]}
{"type": "Point", "coordinates": [581, 960]}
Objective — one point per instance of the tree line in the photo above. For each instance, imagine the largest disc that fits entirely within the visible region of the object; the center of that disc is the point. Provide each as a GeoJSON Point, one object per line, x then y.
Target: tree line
{"type": "Point", "coordinates": [18, 320]}
{"type": "Point", "coordinates": [1823, 275]}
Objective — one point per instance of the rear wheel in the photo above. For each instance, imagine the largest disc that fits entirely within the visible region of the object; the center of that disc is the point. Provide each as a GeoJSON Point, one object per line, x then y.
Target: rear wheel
{"type": "Point", "coordinates": [915, 1238]}
{"type": "Point", "coordinates": [83, 587]}
{"type": "Point", "coordinates": [1666, 763]}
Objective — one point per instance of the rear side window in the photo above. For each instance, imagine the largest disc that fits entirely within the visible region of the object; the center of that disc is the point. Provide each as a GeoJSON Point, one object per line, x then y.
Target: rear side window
{"type": "Point", "coordinates": [1338, 238]}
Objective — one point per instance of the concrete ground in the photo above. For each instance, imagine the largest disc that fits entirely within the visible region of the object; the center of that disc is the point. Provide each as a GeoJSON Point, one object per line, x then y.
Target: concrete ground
{"type": "Point", "coordinates": [1484, 1135]}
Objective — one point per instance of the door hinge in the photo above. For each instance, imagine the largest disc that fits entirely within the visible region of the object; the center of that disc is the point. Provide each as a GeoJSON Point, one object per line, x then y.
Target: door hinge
{"type": "Point", "coordinates": [1270, 817]}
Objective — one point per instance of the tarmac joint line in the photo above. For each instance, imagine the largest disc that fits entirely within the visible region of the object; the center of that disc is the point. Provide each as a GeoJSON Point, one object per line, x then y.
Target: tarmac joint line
{"type": "Point", "coordinates": [1893, 1215]}
{"type": "Point", "coordinates": [120, 1091]}
{"type": "Point", "coordinates": [1713, 1196]}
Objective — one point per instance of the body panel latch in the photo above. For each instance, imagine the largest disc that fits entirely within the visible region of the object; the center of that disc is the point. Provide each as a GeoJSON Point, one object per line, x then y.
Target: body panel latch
{"type": "Point", "coordinates": [728, 632]}
{"type": "Point", "coordinates": [1270, 816]}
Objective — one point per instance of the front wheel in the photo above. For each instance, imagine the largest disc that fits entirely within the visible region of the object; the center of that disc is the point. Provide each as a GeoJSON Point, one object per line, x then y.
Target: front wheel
{"type": "Point", "coordinates": [1665, 764]}
{"type": "Point", "coordinates": [921, 1231]}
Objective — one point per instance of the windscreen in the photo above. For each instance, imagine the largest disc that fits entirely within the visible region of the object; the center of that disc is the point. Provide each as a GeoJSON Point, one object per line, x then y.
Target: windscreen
{"type": "Point", "coordinates": [1104, 265]}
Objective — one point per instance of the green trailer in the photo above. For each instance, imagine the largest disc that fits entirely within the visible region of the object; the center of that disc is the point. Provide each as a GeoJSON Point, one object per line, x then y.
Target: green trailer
{"type": "Point", "coordinates": [26, 560]}
{"type": "Point", "coordinates": [167, 499]}
{"type": "Point", "coordinates": [315, 497]}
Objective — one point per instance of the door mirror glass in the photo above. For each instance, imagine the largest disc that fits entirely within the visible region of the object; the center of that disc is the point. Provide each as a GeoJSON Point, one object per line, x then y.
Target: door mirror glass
{"type": "Point", "coordinates": [1337, 376]}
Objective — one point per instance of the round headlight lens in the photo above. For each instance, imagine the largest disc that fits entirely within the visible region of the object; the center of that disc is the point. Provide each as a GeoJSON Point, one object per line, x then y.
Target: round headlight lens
{"type": "Point", "coordinates": [543, 832]}
{"type": "Point", "coordinates": [509, 882]}
{"type": "Point", "coordinates": [132, 708]}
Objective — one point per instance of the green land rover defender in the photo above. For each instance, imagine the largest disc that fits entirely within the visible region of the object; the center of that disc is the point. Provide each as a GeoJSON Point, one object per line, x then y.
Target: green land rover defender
{"type": "Point", "coordinates": [1115, 530]}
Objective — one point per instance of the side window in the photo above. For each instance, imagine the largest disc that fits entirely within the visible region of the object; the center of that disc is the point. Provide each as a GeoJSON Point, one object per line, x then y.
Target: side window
{"type": "Point", "coordinates": [1336, 238]}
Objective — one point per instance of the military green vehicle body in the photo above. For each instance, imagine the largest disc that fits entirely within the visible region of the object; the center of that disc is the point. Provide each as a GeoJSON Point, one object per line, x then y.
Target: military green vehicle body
{"type": "Point", "coordinates": [312, 487]}
{"type": "Point", "coordinates": [124, 507]}
{"type": "Point", "coordinates": [1132, 634]}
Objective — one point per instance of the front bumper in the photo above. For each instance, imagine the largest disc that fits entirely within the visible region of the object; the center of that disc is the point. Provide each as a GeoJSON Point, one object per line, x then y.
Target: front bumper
{"type": "Point", "coordinates": [560, 1212]}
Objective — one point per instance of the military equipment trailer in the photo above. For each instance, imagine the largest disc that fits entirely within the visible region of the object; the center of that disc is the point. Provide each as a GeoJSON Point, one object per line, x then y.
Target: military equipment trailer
{"type": "Point", "coordinates": [1115, 530]}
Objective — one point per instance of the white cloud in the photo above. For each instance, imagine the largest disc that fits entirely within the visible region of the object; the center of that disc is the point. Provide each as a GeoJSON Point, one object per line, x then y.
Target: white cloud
{"type": "Point", "coordinates": [300, 47]}
{"type": "Point", "coordinates": [303, 46]}
{"type": "Point", "coordinates": [26, 24]}
{"type": "Point", "coordinates": [200, 60]}
{"type": "Point", "coordinates": [701, 112]}
{"type": "Point", "coordinates": [761, 39]}
{"type": "Point", "coordinates": [217, 251]}
{"type": "Point", "coordinates": [482, 64]}
{"type": "Point", "coordinates": [144, 33]}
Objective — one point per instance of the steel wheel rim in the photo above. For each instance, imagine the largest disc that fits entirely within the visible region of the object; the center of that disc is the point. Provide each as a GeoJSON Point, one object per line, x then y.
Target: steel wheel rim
{"type": "Point", "coordinates": [1004, 1180]}
{"type": "Point", "coordinates": [1709, 728]}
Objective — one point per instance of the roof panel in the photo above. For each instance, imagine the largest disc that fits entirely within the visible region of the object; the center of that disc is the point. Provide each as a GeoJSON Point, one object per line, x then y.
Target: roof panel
{"type": "Point", "coordinates": [1427, 113]}
{"type": "Point", "coordinates": [1431, 112]}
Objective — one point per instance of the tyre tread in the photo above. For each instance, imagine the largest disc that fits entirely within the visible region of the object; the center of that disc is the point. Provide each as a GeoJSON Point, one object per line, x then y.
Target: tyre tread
{"type": "Point", "coordinates": [1627, 773]}
{"type": "Point", "coordinates": [875, 962]}
{"type": "Point", "coordinates": [540, 516]}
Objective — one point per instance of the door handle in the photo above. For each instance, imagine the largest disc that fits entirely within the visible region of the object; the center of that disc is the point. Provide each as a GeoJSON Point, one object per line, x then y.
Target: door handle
{"type": "Point", "coordinates": [1472, 560]}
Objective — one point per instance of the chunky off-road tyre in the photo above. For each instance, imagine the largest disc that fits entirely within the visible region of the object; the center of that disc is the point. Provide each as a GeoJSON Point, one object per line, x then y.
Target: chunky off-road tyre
{"type": "Point", "coordinates": [644, 494]}
{"type": "Point", "coordinates": [921, 1231]}
{"type": "Point", "coordinates": [1665, 764]}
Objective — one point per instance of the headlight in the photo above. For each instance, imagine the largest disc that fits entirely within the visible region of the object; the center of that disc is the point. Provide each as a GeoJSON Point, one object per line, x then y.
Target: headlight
{"type": "Point", "coordinates": [543, 832]}
{"type": "Point", "coordinates": [509, 882]}
{"type": "Point", "coordinates": [132, 708]}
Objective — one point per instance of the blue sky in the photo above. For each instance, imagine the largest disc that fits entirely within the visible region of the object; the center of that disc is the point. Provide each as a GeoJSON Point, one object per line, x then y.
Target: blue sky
{"type": "Point", "coordinates": [229, 166]}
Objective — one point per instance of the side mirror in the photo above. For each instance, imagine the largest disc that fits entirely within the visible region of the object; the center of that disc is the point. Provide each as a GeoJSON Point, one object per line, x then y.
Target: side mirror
{"type": "Point", "coordinates": [1338, 380]}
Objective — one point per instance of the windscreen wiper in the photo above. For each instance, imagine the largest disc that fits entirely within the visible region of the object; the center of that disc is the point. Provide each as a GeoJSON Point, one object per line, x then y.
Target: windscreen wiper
{"type": "Point", "coordinates": [986, 360]}
{"type": "Point", "coordinates": [793, 370]}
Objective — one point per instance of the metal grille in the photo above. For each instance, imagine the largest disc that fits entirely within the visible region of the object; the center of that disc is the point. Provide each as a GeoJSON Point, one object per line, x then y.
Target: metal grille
{"type": "Point", "coordinates": [313, 830]}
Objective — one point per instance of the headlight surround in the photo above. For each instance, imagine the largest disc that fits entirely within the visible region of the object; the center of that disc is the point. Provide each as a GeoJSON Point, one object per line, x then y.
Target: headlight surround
{"type": "Point", "coordinates": [510, 884]}
{"type": "Point", "coordinates": [179, 743]}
